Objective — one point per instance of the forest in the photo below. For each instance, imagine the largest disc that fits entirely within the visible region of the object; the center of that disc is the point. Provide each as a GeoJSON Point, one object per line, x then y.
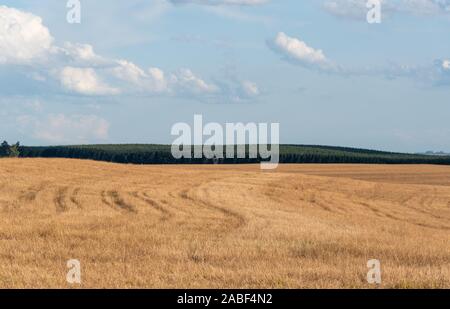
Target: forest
{"type": "Point", "coordinates": [161, 154]}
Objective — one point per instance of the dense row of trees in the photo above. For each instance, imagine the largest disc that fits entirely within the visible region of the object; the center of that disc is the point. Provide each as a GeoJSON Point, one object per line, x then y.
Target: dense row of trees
{"type": "Point", "coordinates": [161, 154]}
{"type": "Point", "coordinates": [12, 151]}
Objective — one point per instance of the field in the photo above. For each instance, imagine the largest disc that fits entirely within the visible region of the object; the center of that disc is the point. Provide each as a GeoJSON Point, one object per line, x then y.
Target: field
{"type": "Point", "coordinates": [223, 226]}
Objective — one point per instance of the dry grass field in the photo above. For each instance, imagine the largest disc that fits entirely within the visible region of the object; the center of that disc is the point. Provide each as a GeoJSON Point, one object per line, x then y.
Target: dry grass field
{"type": "Point", "coordinates": [223, 226]}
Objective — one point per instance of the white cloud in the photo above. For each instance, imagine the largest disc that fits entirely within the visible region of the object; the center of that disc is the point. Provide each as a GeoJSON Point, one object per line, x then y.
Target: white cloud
{"type": "Point", "coordinates": [446, 64]}
{"type": "Point", "coordinates": [85, 81]}
{"type": "Point", "coordinates": [356, 9]}
{"type": "Point", "coordinates": [423, 7]}
{"type": "Point", "coordinates": [189, 83]}
{"type": "Point", "coordinates": [128, 71]}
{"type": "Point", "coordinates": [23, 37]}
{"type": "Point", "coordinates": [61, 128]}
{"type": "Point", "coordinates": [297, 51]}
{"type": "Point", "coordinates": [234, 90]}
{"type": "Point", "coordinates": [221, 2]}
{"type": "Point", "coordinates": [77, 68]}
{"type": "Point", "coordinates": [250, 88]}
{"type": "Point", "coordinates": [152, 81]}
{"type": "Point", "coordinates": [81, 55]}
{"type": "Point", "coordinates": [439, 74]}
{"type": "Point", "coordinates": [81, 51]}
{"type": "Point", "coordinates": [158, 80]}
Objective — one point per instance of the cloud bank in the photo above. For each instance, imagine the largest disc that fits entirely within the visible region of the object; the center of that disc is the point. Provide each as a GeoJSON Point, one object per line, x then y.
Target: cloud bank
{"type": "Point", "coordinates": [298, 52]}
{"type": "Point", "coordinates": [78, 70]}
{"type": "Point", "coordinates": [61, 128]}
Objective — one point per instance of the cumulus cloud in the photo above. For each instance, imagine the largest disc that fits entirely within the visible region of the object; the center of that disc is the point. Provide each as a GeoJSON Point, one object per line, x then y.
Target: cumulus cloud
{"type": "Point", "coordinates": [128, 71]}
{"type": "Point", "coordinates": [188, 82]}
{"type": "Point", "coordinates": [85, 81]}
{"type": "Point", "coordinates": [78, 69]}
{"type": "Point", "coordinates": [295, 50]}
{"type": "Point", "coordinates": [61, 128]}
{"type": "Point", "coordinates": [158, 80]}
{"type": "Point", "coordinates": [298, 52]}
{"type": "Point", "coordinates": [23, 37]}
{"type": "Point", "coordinates": [81, 55]}
{"type": "Point", "coordinates": [138, 80]}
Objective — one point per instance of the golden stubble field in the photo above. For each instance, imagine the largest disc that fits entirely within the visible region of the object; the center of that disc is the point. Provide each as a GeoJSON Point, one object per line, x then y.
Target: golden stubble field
{"type": "Point", "coordinates": [312, 226]}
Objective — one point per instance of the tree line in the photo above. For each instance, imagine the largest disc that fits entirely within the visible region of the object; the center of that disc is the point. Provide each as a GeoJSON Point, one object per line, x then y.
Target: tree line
{"type": "Point", "coordinates": [161, 154]}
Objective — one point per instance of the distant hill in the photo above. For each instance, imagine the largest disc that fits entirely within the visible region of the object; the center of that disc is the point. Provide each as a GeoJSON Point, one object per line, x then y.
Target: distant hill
{"type": "Point", "coordinates": [161, 154]}
{"type": "Point", "coordinates": [434, 153]}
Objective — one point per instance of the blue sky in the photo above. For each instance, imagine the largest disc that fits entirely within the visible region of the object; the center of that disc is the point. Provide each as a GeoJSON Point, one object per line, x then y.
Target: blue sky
{"type": "Point", "coordinates": [133, 68]}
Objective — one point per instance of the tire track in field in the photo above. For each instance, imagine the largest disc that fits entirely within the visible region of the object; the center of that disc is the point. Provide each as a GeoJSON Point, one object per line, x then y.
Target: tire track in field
{"type": "Point", "coordinates": [306, 194]}
{"type": "Point", "coordinates": [375, 210]}
{"type": "Point", "coordinates": [380, 194]}
{"type": "Point", "coordinates": [165, 214]}
{"type": "Point", "coordinates": [190, 194]}
{"type": "Point", "coordinates": [60, 200]}
{"type": "Point", "coordinates": [105, 199]}
{"type": "Point", "coordinates": [74, 198]}
{"type": "Point", "coordinates": [113, 199]}
{"type": "Point", "coordinates": [32, 192]}
{"type": "Point", "coordinates": [386, 214]}
{"type": "Point", "coordinates": [426, 201]}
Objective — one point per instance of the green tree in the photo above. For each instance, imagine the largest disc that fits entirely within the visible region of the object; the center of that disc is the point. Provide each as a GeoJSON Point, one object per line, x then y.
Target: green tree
{"type": "Point", "coordinates": [4, 149]}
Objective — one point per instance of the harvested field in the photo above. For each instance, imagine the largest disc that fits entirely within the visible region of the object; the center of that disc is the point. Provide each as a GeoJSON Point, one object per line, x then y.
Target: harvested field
{"type": "Point", "coordinates": [223, 226]}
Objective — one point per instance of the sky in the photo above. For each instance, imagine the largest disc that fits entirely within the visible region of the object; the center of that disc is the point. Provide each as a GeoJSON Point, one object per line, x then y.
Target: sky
{"type": "Point", "coordinates": [132, 69]}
